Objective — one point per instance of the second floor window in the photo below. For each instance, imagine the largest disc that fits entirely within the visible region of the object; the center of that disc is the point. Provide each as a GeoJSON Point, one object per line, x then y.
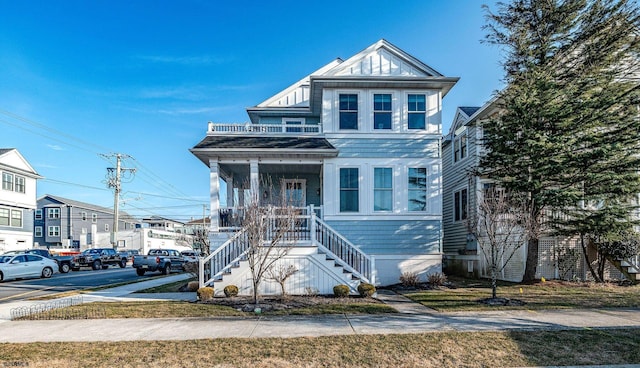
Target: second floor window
{"type": "Point", "coordinates": [417, 111]}
{"type": "Point", "coordinates": [19, 186]}
{"type": "Point", "coordinates": [84, 216]}
{"type": "Point", "coordinates": [460, 147]}
{"type": "Point", "coordinates": [94, 218]}
{"type": "Point", "coordinates": [53, 213]}
{"type": "Point", "coordinates": [7, 181]}
{"type": "Point", "coordinates": [349, 192]}
{"type": "Point", "coordinates": [38, 214]}
{"type": "Point", "coordinates": [382, 111]}
{"type": "Point", "coordinates": [348, 111]}
{"type": "Point", "coordinates": [37, 231]}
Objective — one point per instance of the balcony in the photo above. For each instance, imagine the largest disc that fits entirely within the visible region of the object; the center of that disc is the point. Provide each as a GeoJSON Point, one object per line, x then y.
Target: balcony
{"type": "Point", "coordinates": [259, 129]}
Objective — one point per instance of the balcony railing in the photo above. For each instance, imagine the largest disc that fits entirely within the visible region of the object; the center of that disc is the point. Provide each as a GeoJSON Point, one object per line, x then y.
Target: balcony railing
{"type": "Point", "coordinates": [248, 128]}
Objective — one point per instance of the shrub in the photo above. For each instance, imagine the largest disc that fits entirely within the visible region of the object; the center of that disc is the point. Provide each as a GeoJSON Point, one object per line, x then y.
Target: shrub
{"type": "Point", "coordinates": [409, 279]}
{"type": "Point", "coordinates": [193, 286]}
{"type": "Point", "coordinates": [437, 279]}
{"type": "Point", "coordinates": [230, 290]}
{"type": "Point", "coordinates": [205, 293]}
{"type": "Point", "coordinates": [366, 290]}
{"type": "Point", "coordinates": [311, 291]}
{"type": "Point", "coordinates": [341, 291]}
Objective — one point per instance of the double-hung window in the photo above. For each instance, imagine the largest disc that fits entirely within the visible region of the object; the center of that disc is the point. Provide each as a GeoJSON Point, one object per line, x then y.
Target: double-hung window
{"type": "Point", "coordinates": [16, 218]}
{"type": "Point", "coordinates": [53, 213]}
{"type": "Point", "coordinates": [37, 231]}
{"type": "Point", "coordinates": [382, 189]}
{"type": "Point", "coordinates": [460, 199]}
{"type": "Point", "coordinates": [460, 147]}
{"type": "Point", "coordinates": [349, 190]}
{"type": "Point", "coordinates": [381, 111]}
{"type": "Point", "coordinates": [7, 181]}
{"type": "Point", "coordinates": [53, 231]}
{"type": "Point", "coordinates": [94, 218]}
{"type": "Point", "coordinates": [4, 217]}
{"type": "Point", "coordinates": [19, 186]}
{"type": "Point", "coordinates": [38, 214]}
{"type": "Point", "coordinates": [348, 111]}
{"type": "Point", "coordinates": [417, 183]}
{"type": "Point", "coordinates": [417, 111]}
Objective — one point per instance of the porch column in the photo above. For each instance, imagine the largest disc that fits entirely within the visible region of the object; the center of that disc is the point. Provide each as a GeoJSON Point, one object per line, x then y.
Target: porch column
{"type": "Point", "coordinates": [214, 193]}
{"type": "Point", "coordinates": [230, 184]}
{"type": "Point", "coordinates": [254, 180]}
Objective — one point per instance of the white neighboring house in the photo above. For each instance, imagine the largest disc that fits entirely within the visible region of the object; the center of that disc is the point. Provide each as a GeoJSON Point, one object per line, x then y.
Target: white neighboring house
{"type": "Point", "coordinates": [356, 144]}
{"type": "Point", "coordinates": [17, 200]}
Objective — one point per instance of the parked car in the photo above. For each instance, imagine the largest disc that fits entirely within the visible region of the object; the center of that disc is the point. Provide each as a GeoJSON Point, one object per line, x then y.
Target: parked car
{"type": "Point", "coordinates": [26, 265]}
{"type": "Point", "coordinates": [190, 256]}
{"type": "Point", "coordinates": [163, 260]}
{"type": "Point", "coordinates": [98, 258]}
{"type": "Point", "coordinates": [128, 254]}
{"type": "Point", "coordinates": [64, 262]}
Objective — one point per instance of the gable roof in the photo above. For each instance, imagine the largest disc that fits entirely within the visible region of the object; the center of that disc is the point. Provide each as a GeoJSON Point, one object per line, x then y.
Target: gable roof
{"type": "Point", "coordinates": [379, 65]}
{"type": "Point", "coordinates": [88, 206]}
{"type": "Point", "coordinates": [11, 159]}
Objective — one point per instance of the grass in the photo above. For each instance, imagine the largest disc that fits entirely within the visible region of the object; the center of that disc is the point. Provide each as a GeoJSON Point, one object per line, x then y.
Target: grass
{"type": "Point", "coordinates": [444, 349]}
{"type": "Point", "coordinates": [173, 287]}
{"type": "Point", "coordinates": [541, 295]}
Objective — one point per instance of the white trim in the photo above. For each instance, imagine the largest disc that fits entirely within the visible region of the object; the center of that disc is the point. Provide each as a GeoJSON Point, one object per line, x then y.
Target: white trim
{"type": "Point", "coordinates": [336, 105]}
{"type": "Point", "coordinates": [352, 216]}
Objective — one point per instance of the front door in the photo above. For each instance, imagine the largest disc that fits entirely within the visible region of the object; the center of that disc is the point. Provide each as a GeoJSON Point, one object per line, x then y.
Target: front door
{"type": "Point", "coordinates": [295, 192]}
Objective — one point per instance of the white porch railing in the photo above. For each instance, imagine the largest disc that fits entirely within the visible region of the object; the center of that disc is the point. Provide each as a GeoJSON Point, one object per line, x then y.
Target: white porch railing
{"type": "Point", "coordinates": [230, 218]}
{"type": "Point", "coordinates": [308, 228]}
{"type": "Point", "coordinates": [248, 128]}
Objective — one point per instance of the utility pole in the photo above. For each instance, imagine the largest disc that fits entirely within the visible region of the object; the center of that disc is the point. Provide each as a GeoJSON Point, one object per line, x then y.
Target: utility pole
{"type": "Point", "coordinates": [114, 180]}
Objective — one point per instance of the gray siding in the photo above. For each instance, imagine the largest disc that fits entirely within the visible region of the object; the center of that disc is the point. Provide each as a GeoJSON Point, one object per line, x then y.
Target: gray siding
{"type": "Point", "coordinates": [454, 177]}
{"type": "Point", "coordinates": [391, 236]}
{"type": "Point", "coordinates": [386, 148]}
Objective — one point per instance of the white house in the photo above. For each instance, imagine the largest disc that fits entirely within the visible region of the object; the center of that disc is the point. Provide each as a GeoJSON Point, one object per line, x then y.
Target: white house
{"type": "Point", "coordinates": [17, 200]}
{"type": "Point", "coordinates": [356, 143]}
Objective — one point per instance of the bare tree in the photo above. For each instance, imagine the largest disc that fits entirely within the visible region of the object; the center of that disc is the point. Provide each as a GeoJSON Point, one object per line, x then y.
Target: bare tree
{"type": "Point", "coordinates": [270, 234]}
{"type": "Point", "coordinates": [501, 228]}
{"type": "Point", "coordinates": [281, 274]}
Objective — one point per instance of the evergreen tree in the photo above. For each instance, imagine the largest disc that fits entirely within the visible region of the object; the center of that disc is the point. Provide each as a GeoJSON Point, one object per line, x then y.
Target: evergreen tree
{"type": "Point", "coordinates": [569, 132]}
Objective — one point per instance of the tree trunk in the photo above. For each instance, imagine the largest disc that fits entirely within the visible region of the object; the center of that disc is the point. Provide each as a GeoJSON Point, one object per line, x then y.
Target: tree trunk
{"type": "Point", "coordinates": [494, 282]}
{"type": "Point", "coordinates": [532, 261]}
{"type": "Point", "coordinates": [586, 259]}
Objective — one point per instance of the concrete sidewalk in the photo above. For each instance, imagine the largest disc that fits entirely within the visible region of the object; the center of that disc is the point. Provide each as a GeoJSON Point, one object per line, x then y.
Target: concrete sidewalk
{"type": "Point", "coordinates": [411, 318]}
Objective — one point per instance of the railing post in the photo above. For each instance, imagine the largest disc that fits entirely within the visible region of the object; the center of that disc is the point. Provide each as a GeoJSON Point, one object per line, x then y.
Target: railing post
{"type": "Point", "coordinates": [373, 270]}
{"type": "Point", "coordinates": [312, 225]}
{"type": "Point", "coordinates": [201, 273]}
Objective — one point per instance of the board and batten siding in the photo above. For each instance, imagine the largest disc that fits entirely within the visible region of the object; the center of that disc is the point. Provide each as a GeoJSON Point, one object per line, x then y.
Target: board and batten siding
{"type": "Point", "coordinates": [455, 176]}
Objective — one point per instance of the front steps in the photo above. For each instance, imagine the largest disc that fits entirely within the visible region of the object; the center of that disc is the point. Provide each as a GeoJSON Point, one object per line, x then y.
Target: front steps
{"type": "Point", "coordinates": [317, 273]}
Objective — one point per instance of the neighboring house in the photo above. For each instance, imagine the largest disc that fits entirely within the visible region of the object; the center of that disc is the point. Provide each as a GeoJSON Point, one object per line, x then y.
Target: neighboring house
{"type": "Point", "coordinates": [161, 223]}
{"type": "Point", "coordinates": [356, 143]}
{"type": "Point", "coordinates": [65, 223]}
{"type": "Point", "coordinates": [559, 257]}
{"type": "Point", "coordinates": [17, 200]}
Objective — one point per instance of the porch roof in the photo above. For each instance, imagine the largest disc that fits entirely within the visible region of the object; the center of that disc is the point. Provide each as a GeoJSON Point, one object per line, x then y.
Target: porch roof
{"type": "Point", "coordinates": [264, 147]}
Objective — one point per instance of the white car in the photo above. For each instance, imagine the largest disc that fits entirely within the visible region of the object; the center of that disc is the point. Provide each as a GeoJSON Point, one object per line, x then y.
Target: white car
{"type": "Point", "coordinates": [26, 265]}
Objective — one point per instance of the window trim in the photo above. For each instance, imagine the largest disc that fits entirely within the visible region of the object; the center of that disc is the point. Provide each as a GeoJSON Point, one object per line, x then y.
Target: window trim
{"type": "Point", "coordinates": [423, 112]}
{"type": "Point", "coordinates": [294, 128]}
{"type": "Point", "coordinates": [53, 212]}
{"type": "Point", "coordinates": [357, 110]}
{"type": "Point", "coordinates": [424, 190]}
{"type": "Point", "coordinates": [460, 210]}
{"type": "Point", "coordinates": [375, 189]}
{"type": "Point", "coordinates": [38, 214]}
{"type": "Point", "coordinates": [374, 111]}
{"type": "Point", "coordinates": [7, 183]}
{"type": "Point", "coordinates": [19, 184]}
{"type": "Point", "coordinates": [341, 189]}
{"type": "Point", "coordinates": [53, 231]}
{"type": "Point", "coordinates": [37, 230]}
{"type": "Point", "coordinates": [8, 216]}
{"type": "Point", "coordinates": [94, 218]}
{"type": "Point", "coordinates": [460, 152]}
{"type": "Point", "coordinates": [19, 217]}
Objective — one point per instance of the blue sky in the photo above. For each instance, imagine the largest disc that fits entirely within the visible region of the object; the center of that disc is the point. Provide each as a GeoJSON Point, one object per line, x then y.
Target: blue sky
{"type": "Point", "coordinates": [84, 78]}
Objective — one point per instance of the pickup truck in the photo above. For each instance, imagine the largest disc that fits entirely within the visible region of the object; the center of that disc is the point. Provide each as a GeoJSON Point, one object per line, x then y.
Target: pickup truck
{"type": "Point", "coordinates": [163, 260]}
{"type": "Point", "coordinates": [64, 262]}
{"type": "Point", "coordinates": [98, 258]}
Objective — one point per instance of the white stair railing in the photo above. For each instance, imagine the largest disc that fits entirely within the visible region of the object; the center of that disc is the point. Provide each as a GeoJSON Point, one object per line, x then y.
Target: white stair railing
{"type": "Point", "coordinates": [223, 258]}
{"type": "Point", "coordinates": [344, 252]}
